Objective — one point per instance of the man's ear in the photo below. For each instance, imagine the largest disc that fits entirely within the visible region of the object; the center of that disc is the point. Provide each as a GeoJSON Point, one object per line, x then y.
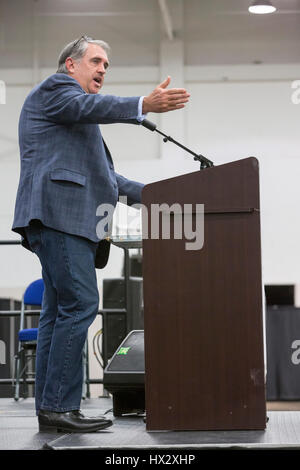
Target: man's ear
{"type": "Point", "coordinates": [70, 64]}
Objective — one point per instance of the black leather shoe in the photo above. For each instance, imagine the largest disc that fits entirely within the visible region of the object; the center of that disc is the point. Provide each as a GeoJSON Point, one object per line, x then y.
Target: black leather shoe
{"type": "Point", "coordinates": [89, 419]}
{"type": "Point", "coordinates": [71, 421]}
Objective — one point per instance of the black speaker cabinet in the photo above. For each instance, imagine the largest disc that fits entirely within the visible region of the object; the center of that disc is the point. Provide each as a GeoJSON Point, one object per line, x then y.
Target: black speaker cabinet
{"type": "Point", "coordinates": [116, 325]}
{"type": "Point", "coordinates": [124, 376]}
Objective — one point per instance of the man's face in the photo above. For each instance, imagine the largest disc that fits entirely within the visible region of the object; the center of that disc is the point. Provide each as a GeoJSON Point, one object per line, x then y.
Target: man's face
{"type": "Point", "coordinates": [90, 70]}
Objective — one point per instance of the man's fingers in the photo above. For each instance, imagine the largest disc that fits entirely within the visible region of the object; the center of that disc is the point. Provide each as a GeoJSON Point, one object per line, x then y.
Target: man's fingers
{"type": "Point", "coordinates": [173, 108]}
{"type": "Point", "coordinates": [165, 83]}
{"type": "Point", "coordinates": [174, 91]}
{"type": "Point", "coordinates": [178, 97]}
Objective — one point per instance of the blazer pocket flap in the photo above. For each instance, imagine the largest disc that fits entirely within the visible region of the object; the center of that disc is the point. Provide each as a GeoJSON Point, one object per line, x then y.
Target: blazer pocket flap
{"type": "Point", "coordinates": [61, 174]}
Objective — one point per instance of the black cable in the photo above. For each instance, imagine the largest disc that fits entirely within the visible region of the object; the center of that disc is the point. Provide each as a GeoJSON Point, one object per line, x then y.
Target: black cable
{"type": "Point", "coordinates": [96, 337]}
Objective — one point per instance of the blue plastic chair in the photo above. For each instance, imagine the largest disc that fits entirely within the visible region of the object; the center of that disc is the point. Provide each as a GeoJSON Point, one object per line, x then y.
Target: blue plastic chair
{"type": "Point", "coordinates": [33, 296]}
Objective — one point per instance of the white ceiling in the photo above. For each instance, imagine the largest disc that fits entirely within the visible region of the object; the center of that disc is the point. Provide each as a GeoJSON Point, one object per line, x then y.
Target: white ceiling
{"type": "Point", "coordinates": [213, 31]}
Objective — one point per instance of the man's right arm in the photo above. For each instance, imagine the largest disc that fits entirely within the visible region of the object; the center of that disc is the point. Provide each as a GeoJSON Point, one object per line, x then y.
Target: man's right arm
{"type": "Point", "coordinates": [64, 101]}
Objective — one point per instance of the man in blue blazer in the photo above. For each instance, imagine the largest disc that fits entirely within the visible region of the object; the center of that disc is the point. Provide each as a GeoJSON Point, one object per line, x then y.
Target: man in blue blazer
{"type": "Point", "coordinates": [66, 173]}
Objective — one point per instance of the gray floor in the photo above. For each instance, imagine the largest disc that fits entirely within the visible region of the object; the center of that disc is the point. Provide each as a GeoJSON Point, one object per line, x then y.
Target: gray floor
{"type": "Point", "coordinates": [19, 428]}
{"type": "Point", "coordinates": [283, 431]}
{"type": "Point", "coordinates": [19, 431]}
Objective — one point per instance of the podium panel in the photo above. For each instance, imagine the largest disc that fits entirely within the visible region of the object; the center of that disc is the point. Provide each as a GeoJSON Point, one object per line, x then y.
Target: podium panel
{"type": "Point", "coordinates": [204, 355]}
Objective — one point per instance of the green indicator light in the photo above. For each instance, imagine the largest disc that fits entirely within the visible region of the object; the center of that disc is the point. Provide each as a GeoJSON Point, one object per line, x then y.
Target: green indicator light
{"type": "Point", "coordinates": [123, 351]}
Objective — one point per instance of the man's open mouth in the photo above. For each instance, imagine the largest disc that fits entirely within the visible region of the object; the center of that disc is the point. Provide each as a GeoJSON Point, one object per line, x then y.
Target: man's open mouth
{"type": "Point", "coordinates": [97, 80]}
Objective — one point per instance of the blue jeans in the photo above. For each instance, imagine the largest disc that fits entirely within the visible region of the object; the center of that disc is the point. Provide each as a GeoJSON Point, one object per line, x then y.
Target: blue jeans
{"type": "Point", "coordinates": [70, 304]}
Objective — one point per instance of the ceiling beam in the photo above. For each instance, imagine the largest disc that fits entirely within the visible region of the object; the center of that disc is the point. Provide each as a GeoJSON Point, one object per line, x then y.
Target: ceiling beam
{"type": "Point", "coordinates": [166, 18]}
{"type": "Point", "coordinates": [90, 13]}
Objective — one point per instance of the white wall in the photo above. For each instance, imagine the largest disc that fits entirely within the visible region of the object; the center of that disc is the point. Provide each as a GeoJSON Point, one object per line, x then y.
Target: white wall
{"type": "Point", "coordinates": [234, 112]}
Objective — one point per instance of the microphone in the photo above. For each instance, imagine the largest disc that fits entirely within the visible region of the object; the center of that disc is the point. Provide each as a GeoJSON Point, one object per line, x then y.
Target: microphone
{"type": "Point", "coordinates": [150, 125]}
{"type": "Point", "coordinates": [204, 162]}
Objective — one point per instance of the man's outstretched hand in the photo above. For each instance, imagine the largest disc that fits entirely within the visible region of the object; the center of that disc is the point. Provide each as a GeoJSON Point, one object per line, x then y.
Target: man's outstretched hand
{"type": "Point", "coordinates": [162, 100]}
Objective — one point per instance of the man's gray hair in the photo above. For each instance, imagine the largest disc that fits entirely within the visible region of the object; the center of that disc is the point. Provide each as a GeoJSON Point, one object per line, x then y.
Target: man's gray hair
{"type": "Point", "coordinates": [76, 49]}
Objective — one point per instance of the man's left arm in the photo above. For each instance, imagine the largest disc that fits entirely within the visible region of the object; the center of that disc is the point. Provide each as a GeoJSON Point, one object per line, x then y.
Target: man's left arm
{"type": "Point", "coordinates": [129, 188]}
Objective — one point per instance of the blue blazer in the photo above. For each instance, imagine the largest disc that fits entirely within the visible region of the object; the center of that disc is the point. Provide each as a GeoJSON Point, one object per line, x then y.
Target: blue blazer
{"type": "Point", "coordinates": [66, 169]}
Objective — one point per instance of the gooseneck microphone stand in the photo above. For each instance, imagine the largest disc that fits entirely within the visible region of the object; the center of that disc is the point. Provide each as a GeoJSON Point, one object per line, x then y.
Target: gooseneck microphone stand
{"type": "Point", "coordinates": [204, 162]}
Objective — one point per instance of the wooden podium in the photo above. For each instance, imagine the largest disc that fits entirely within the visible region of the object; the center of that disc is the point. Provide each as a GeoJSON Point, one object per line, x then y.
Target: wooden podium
{"type": "Point", "coordinates": [204, 355]}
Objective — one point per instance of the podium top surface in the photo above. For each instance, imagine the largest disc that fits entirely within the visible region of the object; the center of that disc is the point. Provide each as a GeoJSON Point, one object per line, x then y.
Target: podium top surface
{"type": "Point", "coordinates": [232, 186]}
{"type": "Point", "coordinates": [126, 241]}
